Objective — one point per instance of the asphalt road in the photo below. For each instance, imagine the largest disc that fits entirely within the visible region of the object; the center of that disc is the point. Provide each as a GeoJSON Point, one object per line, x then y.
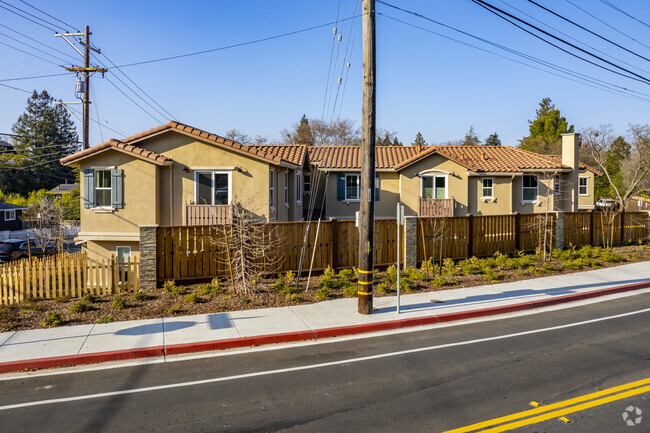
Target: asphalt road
{"type": "Point", "coordinates": [425, 381]}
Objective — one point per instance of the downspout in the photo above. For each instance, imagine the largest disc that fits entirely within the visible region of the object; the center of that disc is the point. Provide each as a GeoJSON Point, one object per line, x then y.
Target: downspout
{"type": "Point", "coordinates": [171, 194]}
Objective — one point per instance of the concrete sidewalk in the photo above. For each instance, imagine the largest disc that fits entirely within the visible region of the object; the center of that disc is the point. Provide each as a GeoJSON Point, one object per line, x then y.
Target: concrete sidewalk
{"type": "Point", "coordinates": [44, 348]}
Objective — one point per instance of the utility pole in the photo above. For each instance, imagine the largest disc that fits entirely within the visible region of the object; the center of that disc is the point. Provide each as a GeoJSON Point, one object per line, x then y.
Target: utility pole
{"type": "Point", "coordinates": [86, 70]}
{"type": "Point", "coordinates": [367, 193]}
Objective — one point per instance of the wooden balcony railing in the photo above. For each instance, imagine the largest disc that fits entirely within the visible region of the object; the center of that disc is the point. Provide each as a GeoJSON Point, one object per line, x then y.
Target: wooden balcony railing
{"type": "Point", "coordinates": [436, 207]}
{"type": "Point", "coordinates": [207, 214]}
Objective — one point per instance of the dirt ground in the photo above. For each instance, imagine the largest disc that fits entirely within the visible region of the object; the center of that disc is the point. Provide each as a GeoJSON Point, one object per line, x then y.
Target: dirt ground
{"type": "Point", "coordinates": [162, 303]}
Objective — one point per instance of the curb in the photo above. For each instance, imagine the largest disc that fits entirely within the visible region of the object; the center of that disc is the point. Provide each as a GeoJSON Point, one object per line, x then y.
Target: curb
{"type": "Point", "coordinates": [288, 337]}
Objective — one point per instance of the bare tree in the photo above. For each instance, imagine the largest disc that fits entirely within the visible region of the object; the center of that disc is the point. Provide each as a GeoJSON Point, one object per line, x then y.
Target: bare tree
{"type": "Point", "coordinates": [243, 138]}
{"type": "Point", "coordinates": [49, 218]}
{"type": "Point", "coordinates": [341, 132]}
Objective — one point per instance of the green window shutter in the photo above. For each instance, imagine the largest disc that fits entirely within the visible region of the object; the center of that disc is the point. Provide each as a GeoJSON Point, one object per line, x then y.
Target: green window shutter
{"type": "Point", "coordinates": [340, 187]}
{"type": "Point", "coordinates": [377, 188]}
{"type": "Point", "coordinates": [89, 188]}
{"type": "Point", "coordinates": [117, 188]}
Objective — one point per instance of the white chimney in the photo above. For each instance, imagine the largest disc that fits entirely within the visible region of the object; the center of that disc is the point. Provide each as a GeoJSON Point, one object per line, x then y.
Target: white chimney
{"type": "Point", "coordinates": [570, 147]}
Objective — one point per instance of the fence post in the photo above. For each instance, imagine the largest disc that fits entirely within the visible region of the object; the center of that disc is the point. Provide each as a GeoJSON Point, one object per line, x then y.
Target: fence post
{"type": "Point", "coordinates": [591, 227]}
{"type": "Point", "coordinates": [623, 226]}
{"type": "Point", "coordinates": [148, 256]}
{"type": "Point", "coordinates": [411, 241]}
{"type": "Point", "coordinates": [334, 242]}
{"type": "Point", "coordinates": [559, 231]}
{"type": "Point", "coordinates": [517, 216]}
{"type": "Point", "coordinates": [470, 235]}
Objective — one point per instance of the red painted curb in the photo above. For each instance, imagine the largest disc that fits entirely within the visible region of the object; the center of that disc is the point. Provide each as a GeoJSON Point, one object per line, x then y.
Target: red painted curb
{"type": "Point", "coordinates": [88, 358]}
{"type": "Point", "coordinates": [287, 337]}
{"type": "Point", "coordinates": [231, 343]}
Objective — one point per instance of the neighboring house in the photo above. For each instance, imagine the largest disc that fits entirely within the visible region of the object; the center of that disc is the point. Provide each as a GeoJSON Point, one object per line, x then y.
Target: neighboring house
{"type": "Point", "coordinates": [176, 174]}
{"type": "Point", "coordinates": [10, 216]}
{"type": "Point", "coordinates": [61, 190]}
{"type": "Point", "coordinates": [179, 175]}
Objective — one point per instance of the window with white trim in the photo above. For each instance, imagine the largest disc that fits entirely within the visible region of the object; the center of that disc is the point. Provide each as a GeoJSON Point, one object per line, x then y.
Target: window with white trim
{"type": "Point", "coordinates": [212, 187]}
{"type": "Point", "coordinates": [271, 189]}
{"type": "Point", "coordinates": [352, 185]}
{"type": "Point", "coordinates": [487, 188]}
{"type": "Point", "coordinates": [434, 186]}
{"type": "Point", "coordinates": [307, 184]}
{"type": "Point", "coordinates": [286, 188]}
{"type": "Point", "coordinates": [583, 186]}
{"type": "Point", "coordinates": [298, 187]}
{"type": "Point", "coordinates": [10, 215]}
{"type": "Point", "coordinates": [103, 188]}
{"type": "Point", "coordinates": [529, 188]}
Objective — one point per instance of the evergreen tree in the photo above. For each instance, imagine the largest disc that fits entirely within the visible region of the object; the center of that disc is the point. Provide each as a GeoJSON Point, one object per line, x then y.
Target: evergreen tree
{"type": "Point", "coordinates": [493, 140]}
{"type": "Point", "coordinates": [44, 134]}
{"type": "Point", "coordinates": [546, 130]}
{"type": "Point", "coordinates": [303, 133]}
{"type": "Point", "coordinates": [616, 153]}
{"type": "Point", "coordinates": [471, 139]}
{"type": "Point", "coordinates": [419, 140]}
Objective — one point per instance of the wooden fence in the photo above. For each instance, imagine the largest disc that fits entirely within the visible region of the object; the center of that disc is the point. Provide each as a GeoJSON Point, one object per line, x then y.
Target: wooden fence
{"type": "Point", "coordinates": [199, 252]}
{"type": "Point", "coordinates": [69, 275]}
{"type": "Point", "coordinates": [590, 228]}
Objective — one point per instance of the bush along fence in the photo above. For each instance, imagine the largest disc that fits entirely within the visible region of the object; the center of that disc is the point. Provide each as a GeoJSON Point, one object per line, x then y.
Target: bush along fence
{"type": "Point", "coordinates": [66, 275]}
{"type": "Point", "coordinates": [201, 252]}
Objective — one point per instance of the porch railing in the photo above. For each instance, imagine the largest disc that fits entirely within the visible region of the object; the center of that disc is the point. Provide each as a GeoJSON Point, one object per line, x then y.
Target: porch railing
{"type": "Point", "coordinates": [207, 214]}
{"type": "Point", "coordinates": [436, 207]}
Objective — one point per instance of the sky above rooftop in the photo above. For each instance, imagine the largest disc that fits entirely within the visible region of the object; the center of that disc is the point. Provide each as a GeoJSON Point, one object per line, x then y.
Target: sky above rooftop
{"type": "Point", "coordinates": [426, 82]}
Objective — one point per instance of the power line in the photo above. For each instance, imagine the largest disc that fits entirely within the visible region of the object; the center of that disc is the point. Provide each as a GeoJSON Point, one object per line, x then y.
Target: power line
{"type": "Point", "coordinates": [35, 76]}
{"type": "Point", "coordinates": [15, 88]}
{"type": "Point", "coordinates": [101, 134]}
{"type": "Point", "coordinates": [22, 16]}
{"type": "Point", "coordinates": [588, 31]}
{"type": "Point", "coordinates": [346, 61]}
{"type": "Point", "coordinates": [28, 53]}
{"type": "Point", "coordinates": [131, 99]}
{"type": "Point", "coordinates": [37, 41]}
{"type": "Point", "coordinates": [241, 44]}
{"type": "Point", "coordinates": [605, 23]}
{"type": "Point", "coordinates": [121, 133]}
{"type": "Point", "coordinates": [500, 13]}
{"type": "Point", "coordinates": [616, 8]}
{"type": "Point", "coordinates": [602, 85]}
{"type": "Point", "coordinates": [33, 47]}
{"type": "Point", "coordinates": [329, 69]}
{"type": "Point", "coordinates": [55, 18]}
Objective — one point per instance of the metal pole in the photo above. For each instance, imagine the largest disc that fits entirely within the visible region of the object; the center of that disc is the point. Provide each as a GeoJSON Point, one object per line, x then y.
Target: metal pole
{"type": "Point", "coordinates": [399, 248]}
{"type": "Point", "coordinates": [367, 193]}
{"type": "Point", "coordinates": [87, 93]}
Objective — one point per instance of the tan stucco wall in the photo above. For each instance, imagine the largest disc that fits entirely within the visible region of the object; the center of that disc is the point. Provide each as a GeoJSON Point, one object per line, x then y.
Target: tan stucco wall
{"type": "Point", "coordinates": [587, 201]}
{"type": "Point", "coordinates": [501, 204]}
{"type": "Point", "coordinates": [385, 207]}
{"type": "Point", "coordinates": [457, 184]}
{"type": "Point", "coordinates": [545, 194]}
{"type": "Point", "coordinates": [105, 250]}
{"type": "Point", "coordinates": [140, 195]}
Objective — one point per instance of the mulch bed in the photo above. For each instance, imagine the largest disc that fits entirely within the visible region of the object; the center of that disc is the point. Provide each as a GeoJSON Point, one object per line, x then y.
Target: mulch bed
{"type": "Point", "coordinates": [162, 303]}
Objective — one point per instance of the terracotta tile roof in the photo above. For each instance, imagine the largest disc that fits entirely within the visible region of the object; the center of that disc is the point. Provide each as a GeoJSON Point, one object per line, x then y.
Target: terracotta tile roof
{"type": "Point", "coordinates": [120, 146]}
{"type": "Point", "coordinates": [349, 157]}
{"type": "Point", "coordinates": [581, 165]}
{"type": "Point", "coordinates": [292, 153]}
{"type": "Point", "coordinates": [207, 136]}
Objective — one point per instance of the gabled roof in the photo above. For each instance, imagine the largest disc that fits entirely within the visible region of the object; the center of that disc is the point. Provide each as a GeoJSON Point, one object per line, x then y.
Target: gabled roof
{"type": "Point", "coordinates": [349, 157]}
{"type": "Point", "coordinates": [295, 154]}
{"type": "Point", "coordinates": [63, 188]}
{"type": "Point", "coordinates": [120, 146]}
{"type": "Point", "coordinates": [173, 125]}
{"type": "Point", "coordinates": [8, 206]}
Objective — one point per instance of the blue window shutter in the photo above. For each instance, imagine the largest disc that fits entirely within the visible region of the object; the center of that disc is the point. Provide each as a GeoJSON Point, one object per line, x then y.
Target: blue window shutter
{"type": "Point", "coordinates": [377, 187]}
{"type": "Point", "coordinates": [89, 188]}
{"type": "Point", "coordinates": [117, 184]}
{"type": "Point", "coordinates": [340, 187]}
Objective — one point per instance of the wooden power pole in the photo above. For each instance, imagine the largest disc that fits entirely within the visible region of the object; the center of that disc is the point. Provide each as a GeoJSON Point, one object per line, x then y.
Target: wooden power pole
{"type": "Point", "coordinates": [85, 71]}
{"type": "Point", "coordinates": [367, 193]}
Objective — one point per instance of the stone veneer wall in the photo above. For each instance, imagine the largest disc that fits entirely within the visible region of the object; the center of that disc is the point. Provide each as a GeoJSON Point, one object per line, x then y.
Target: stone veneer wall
{"type": "Point", "coordinates": [148, 270]}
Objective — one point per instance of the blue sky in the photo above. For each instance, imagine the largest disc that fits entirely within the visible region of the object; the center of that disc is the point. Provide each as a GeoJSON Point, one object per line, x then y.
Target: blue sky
{"type": "Point", "coordinates": [425, 82]}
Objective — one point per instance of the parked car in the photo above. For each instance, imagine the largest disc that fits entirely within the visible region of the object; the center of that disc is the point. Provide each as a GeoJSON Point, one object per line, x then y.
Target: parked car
{"type": "Point", "coordinates": [16, 249]}
{"type": "Point", "coordinates": [607, 204]}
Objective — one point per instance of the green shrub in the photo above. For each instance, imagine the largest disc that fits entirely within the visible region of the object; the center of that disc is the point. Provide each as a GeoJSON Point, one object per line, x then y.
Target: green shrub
{"type": "Point", "coordinates": [350, 291]}
{"type": "Point", "coordinates": [52, 319]}
{"type": "Point", "coordinates": [382, 288]}
{"type": "Point", "coordinates": [346, 274]}
{"type": "Point", "coordinates": [500, 259]}
{"type": "Point", "coordinates": [193, 298]}
{"type": "Point", "coordinates": [449, 267]}
{"type": "Point", "coordinates": [90, 298]}
{"type": "Point", "coordinates": [323, 293]}
{"type": "Point", "coordinates": [245, 301]}
{"type": "Point", "coordinates": [119, 302]}
{"type": "Point", "coordinates": [470, 266]}
{"type": "Point", "coordinates": [327, 282]}
{"type": "Point", "coordinates": [169, 284]}
{"type": "Point", "coordinates": [439, 281]}
{"type": "Point", "coordinates": [79, 307]}
{"type": "Point", "coordinates": [293, 297]}
{"type": "Point", "coordinates": [428, 266]}
{"type": "Point", "coordinates": [179, 290]}
{"type": "Point", "coordinates": [174, 309]}
{"type": "Point", "coordinates": [62, 299]}
{"type": "Point", "coordinates": [329, 272]}
{"type": "Point", "coordinates": [140, 296]}
{"type": "Point", "coordinates": [285, 284]}
{"type": "Point", "coordinates": [492, 276]}
{"type": "Point", "coordinates": [290, 278]}
{"type": "Point", "coordinates": [213, 288]}
{"type": "Point", "coordinates": [390, 276]}
{"type": "Point", "coordinates": [414, 274]}
{"type": "Point", "coordinates": [104, 319]}
{"type": "Point", "coordinates": [405, 286]}
{"type": "Point", "coordinates": [610, 256]}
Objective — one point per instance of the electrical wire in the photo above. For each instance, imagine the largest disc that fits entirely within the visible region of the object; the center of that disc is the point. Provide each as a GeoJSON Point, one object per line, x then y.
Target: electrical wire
{"type": "Point", "coordinates": [33, 47]}
{"type": "Point", "coordinates": [55, 18]}
{"type": "Point", "coordinates": [616, 8]}
{"type": "Point", "coordinates": [336, 59]}
{"type": "Point", "coordinates": [33, 77]}
{"type": "Point", "coordinates": [15, 88]}
{"type": "Point", "coordinates": [346, 61]}
{"type": "Point", "coordinates": [37, 41]}
{"type": "Point", "coordinates": [33, 165]}
{"type": "Point", "coordinates": [28, 19]}
{"type": "Point", "coordinates": [101, 134]}
{"type": "Point", "coordinates": [329, 69]}
{"type": "Point", "coordinates": [121, 133]}
{"type": "Point", "coordinates": [605, 23]}
{"type": "Point", "coordinates": [131, 99]}
{"type": "Point", "coordinates": [28, 53]}
{"type": "Point", "coordinates": [500, 13]}
{"type": "Point", "coordinates": [587, 30]}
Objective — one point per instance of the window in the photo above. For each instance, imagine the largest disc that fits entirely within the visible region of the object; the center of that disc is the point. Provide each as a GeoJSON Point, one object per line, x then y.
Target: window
{"type": "Point", "coordinates": [212, 187]}
{"type": "Point", "coordinates": [286, 188]}
{"type": "Point", "coordinates": [487, 188]}
{"type": "Point", "coordinates": [434, 186]}
{"type": "Point", "coordinates": [583, 183]}
{"type": "Point", "coordinates": [10, 215]}
{"type": "Point", "coordinates": [352, 187]}
{"type": "Point", "coordinates": [556, 184]}
{"type": "Point", "coordinates": [529, 188]}
{"type": "Point", "coordinates": [123, 254]}
{"type": "Point", "coordinates": [103, 188]}
{"type": "Point", "coordinates": [298, 187]}
{"type": "Point", "coordinates": [307, 185]}
{"type": "Point", "coordinates": [271, 189]}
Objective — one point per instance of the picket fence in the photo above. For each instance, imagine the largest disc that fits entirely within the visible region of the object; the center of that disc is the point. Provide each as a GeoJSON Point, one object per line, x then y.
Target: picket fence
{"type": "Point", "coordinates": [66, 275]}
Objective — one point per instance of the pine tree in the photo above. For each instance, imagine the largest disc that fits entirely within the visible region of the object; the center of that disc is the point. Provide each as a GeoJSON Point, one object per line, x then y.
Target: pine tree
{"type": "Point", "coordinates": [471, 139]}
{"type": "Point", "coordinates": [493, 140]}
{"type": "Point", "coordinates": [546, 130]}
{"type": "Point", "coordinates": [44, 134]}
{"type": "Point", "coordinates": [419, 140]}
